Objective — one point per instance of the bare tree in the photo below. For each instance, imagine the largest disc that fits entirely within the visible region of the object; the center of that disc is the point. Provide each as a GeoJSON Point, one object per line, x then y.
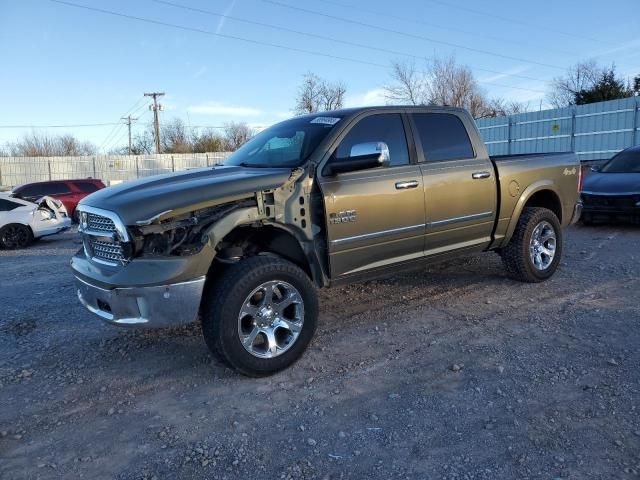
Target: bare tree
{"type": "Point", "coordinates": [175, 138]}
{"type": "Point", "coordinates": [454, 85]}
{"type": "Point", "coordinates": [444, 82]}
{"type": "Point", "coordinates": [42, 145]}
{"type": "Point", "coordinates": [497, 107]}
{"type": "Point", "coordinates": [582, 76]}
{"type": "Point", "coordinates": [316, 94]}
{"type": "Point", "coordinates": [410, 85]}
{"type": "Point", "coordinates": [208, 141]}
{"type": "Point", "coordinates": [235, 134]}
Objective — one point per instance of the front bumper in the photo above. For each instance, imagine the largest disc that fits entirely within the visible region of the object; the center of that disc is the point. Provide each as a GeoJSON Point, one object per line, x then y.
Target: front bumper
{"type": "Point", "coordinates": [610, 204]}
{"type": "Point", "coordinates": [144, 307]}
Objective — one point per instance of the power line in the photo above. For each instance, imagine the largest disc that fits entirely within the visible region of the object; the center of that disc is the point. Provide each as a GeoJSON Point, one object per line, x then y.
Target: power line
{"type": "Point", "coordinates": [255, 42]}
{"type": "Point", "coordinates": [116, 133]}
{"type": "Point", "coordinates": [78, 125]}
{"type": "Point", "coordinates": [512, 20]}
{"type": "Point", "coordinates": [120, 133]}
{"type": "Point", "coordinates": [331, 39]}
{"type": "Point", "coordinates": [111, 135]}
{"type": "Point", "coordinates": [221, 35]}
{"type": "Point", "coordinates": [406, 34]}
{"type": "Point", "coordinates": [435, 25]}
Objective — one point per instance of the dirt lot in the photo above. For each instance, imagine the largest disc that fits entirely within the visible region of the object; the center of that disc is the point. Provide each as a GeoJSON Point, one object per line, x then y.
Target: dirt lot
{"type": "Point", "coordinates": [450, 372]}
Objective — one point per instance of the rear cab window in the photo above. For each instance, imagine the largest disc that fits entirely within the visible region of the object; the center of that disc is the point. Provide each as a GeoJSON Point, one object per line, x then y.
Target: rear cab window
{"type": "Point", "coordinates": [443, 137]}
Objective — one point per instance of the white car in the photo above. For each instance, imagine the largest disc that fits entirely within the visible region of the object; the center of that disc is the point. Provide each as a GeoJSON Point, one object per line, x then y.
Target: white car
{"type": "Point", "coordinates": [22, 221]}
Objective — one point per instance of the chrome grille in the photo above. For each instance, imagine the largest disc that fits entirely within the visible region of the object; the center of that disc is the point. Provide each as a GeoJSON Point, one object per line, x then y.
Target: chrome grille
{"type": "Point", "coordinates": [98, 245]}
{"type": "Point", "coordinates": [110, 252]}
{"type": "Point", "coordinates": [100, 223]}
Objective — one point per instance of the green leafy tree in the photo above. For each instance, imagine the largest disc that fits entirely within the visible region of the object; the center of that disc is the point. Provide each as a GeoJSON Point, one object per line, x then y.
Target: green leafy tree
{"type": "Point", "coordinates": [607, 87]}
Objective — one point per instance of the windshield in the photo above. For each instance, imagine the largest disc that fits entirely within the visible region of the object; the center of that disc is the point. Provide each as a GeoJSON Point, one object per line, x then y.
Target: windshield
{"type": "Point", "coordinates": [286, 144]}
{"type": "Point", "coordinates": [627, 161]}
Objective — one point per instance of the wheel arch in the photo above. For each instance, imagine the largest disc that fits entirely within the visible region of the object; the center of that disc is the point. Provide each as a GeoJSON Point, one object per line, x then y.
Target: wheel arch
{"type": "Point", "coordinates": [539, 194]}
{"type": "Point", "coordinates": [271, 238]}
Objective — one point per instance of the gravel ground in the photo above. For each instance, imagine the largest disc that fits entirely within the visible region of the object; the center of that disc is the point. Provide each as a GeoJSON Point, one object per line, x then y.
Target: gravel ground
{"type": "Point", "coordinates": [454, 371]}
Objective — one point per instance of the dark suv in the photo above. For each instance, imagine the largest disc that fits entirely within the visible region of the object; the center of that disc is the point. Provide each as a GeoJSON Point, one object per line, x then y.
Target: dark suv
{"type": "Point", "coordinates": [69, 192]}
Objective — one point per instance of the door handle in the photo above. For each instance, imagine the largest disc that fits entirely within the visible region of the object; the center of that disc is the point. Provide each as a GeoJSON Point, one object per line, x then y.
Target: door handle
{"type": "Point", "coordinates": [479, 175]}
{"type": "Point", "coordinates": [406, 184]}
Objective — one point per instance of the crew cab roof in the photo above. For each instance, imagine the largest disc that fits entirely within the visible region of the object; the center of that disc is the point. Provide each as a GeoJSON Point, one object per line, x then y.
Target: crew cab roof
{"type": "Point", "coordinates": [348, 112]}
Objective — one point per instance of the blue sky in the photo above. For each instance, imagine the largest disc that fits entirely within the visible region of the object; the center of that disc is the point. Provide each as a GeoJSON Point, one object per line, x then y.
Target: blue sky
{"type": "Point", "coordinates": [66, 66]}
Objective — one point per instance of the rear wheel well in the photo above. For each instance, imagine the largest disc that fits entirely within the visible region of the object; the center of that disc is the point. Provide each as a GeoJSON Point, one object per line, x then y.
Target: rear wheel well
{"type": "Point", "coordinates": [247, 241]}
{"type": "Point", "coordinates": [546, 199]}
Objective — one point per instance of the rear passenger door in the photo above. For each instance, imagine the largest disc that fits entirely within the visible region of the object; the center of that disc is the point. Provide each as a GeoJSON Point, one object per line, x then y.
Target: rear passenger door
{"type": "Point", "coordinates": [459, 185]}
{"type": "Point", "coordinates": [374, 217]}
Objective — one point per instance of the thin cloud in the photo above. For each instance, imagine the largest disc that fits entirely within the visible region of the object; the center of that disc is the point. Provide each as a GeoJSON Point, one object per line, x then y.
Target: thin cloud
{"type": "Point", "coordinates": [506, 73]}
{"type": "Point", "coordinates": [216, 108]}
{"type": "Point", "coordinates": [632, 44]}
{"type": "Point", "coordinates": [223, 19]}
{"type": "Point", "coordinates": [201, 71]}
{"type": "Point", "coordinates": [370, 98]}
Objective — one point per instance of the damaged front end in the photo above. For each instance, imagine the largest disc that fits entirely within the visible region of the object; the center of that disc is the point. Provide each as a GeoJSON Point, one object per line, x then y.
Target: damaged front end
{"type": "Point", "coordinates": [108, 241]}
{"type": "Point", "coordinates": [49, 218]}
{"type": "Point", "coordinates": [151, 274]}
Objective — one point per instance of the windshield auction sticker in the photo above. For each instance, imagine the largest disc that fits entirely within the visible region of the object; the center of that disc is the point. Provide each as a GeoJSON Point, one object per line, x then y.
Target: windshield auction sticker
{"type": "Point", "coordinates": [326, 120]}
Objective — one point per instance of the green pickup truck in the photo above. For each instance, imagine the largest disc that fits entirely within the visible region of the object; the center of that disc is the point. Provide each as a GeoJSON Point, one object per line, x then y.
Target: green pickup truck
{"type": "Point", "coordinates": [311, 202]}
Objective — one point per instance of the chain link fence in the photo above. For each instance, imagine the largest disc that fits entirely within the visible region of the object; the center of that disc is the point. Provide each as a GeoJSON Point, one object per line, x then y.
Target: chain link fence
{"type": "Point", "coordinates": [108, 168]}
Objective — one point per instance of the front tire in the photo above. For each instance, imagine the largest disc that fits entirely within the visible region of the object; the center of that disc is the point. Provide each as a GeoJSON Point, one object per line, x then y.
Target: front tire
{"type": "Point", "coordinates": [534, 252]}
{"type": "Point", "coordinates": [260, 315]}
{"type": "Point", "coordinates": [15, 235]}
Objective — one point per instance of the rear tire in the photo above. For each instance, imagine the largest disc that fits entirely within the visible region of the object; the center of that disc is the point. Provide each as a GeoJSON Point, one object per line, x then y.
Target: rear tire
{"type": "Point", "coordinates": [534, 252]}
{"type": "Point", "coordinates": [260, 315]}
{"type": "Point", "coordinates": [15, 235]}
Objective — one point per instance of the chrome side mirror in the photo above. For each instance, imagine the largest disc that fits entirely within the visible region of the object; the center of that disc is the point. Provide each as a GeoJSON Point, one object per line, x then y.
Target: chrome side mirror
{"type": "Point", "coordinates": [372, 149]}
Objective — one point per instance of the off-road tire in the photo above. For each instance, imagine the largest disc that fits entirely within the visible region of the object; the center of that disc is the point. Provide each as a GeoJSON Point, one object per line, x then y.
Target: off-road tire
{"type": "Point", "coordinates": [15, 235]}
{"type": "Point", "coordinates": [515, 256]}
{"type": "Point", "coordinates": [222, 303]}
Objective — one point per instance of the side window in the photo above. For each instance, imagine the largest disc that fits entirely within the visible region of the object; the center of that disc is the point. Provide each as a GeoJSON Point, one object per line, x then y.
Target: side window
{"type": "Point", "coordinates": [56, 188]}
{"type": "Point", "coordinates": [386, 128]}
{"type": "Point", "coordinates": [8, 205]}
{"type": "Point", "coordinates": [86, 187]}
{"type": "Point", "coordinates": [32, 191]}
{"type": "Point", "coordinates": [443, 136]}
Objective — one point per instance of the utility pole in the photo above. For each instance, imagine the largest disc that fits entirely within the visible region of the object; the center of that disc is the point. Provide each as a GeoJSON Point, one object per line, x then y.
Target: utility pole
{"type": "Point", "coordinates": [129, 120]}
{"type": "Point", "coordinates": [155, 108]}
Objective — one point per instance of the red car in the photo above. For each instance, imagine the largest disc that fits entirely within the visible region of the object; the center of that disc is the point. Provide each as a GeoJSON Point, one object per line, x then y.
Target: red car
{"type": "Point", "coordinates": [69, 192]}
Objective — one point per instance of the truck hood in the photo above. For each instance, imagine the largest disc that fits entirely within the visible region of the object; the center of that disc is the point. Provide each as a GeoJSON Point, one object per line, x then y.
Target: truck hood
{"type": "Point", "coordinates": [612, 183]}
{"type": "Point", "coordinates": [145, 198]}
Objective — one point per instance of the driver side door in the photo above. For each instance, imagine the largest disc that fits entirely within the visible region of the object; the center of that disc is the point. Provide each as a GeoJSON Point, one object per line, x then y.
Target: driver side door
{"type": "Point", "coordinates": [375, 217]}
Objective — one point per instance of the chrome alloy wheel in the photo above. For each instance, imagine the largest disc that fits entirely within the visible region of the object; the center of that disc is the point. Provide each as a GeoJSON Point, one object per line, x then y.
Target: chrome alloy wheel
{"type": "Point", "coordinates": [271, 319]}
{"type": "Point", "coordinates": [542, 247]}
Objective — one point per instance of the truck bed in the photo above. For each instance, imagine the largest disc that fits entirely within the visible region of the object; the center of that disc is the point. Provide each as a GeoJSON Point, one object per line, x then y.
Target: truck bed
{"type": "Point", "coordinates": [523, 173]}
